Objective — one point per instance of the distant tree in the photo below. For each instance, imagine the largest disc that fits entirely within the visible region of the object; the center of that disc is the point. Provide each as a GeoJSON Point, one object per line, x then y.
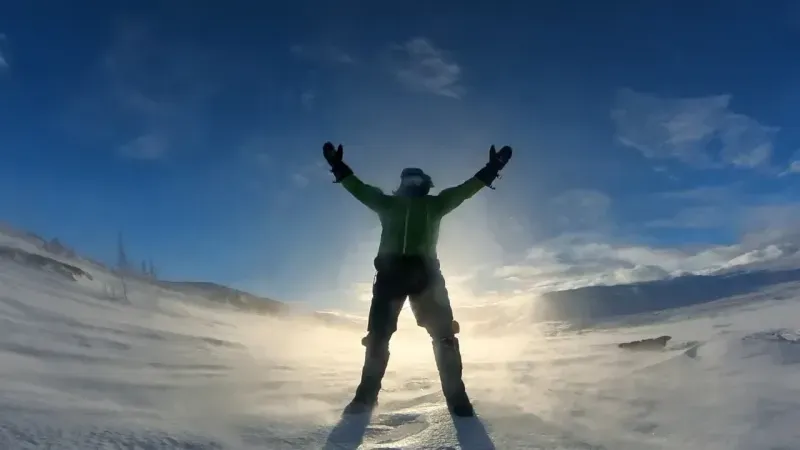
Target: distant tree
{"type": "Point", "coordinates": [151, 270]}
{"type": "Point", "coordinates": [123, 265]}
{"type": "Point", "coordinates": [144, 268]}
{"type": "Point", "coordinates": [123, 268]}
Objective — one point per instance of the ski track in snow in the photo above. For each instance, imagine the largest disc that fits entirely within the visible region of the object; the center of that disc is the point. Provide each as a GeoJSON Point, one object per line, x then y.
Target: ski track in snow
{"type": "Point", "coordinates": [80, 371]}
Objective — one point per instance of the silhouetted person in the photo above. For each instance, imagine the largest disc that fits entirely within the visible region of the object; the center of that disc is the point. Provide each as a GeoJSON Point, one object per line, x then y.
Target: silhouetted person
{"type": "Point", "coordinates": [407, 265]}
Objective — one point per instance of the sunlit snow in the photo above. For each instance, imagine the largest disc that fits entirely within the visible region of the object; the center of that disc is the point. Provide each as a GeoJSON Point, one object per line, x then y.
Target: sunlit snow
{"type": "Point", "coordinates": [80, 368]}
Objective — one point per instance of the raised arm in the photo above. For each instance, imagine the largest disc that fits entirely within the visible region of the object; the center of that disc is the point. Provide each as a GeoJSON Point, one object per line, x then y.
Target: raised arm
{"type": "Point", "coordinates": [450, 198]}
{"type": "Point", "coordinates": [372, 197]}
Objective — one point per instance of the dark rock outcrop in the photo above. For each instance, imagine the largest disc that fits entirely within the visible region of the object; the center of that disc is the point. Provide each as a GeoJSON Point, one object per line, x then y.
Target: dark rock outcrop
{"type": "Point", "coordinates": [646, 344]}
{"type": "Point", "coordinates": [44, 263]}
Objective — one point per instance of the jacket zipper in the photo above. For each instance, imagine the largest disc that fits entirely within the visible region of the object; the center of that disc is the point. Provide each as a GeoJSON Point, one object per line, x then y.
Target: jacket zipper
{"type": "Point", "coordinates": [427, 226]}
{"type": "Point", "coordinates": [405, 229]}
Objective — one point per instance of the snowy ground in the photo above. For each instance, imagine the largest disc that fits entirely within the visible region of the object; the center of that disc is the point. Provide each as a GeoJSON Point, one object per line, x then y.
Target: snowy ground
{"type": "Point", "coordinates": [81, 371]}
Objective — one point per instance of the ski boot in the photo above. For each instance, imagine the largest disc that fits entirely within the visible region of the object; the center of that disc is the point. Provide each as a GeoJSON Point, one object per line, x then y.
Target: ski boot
{"type": "Point", "coordinates": [360, 404]}
{"type": "Point", "coordinates": [460, 405]}
{"type": "Point", "coordinates": [448, 362]}
{"type": "Point", "coordinates": [376, 359]}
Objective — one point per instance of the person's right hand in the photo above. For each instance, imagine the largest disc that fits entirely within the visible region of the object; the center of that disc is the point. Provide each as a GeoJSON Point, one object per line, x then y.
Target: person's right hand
{"type": "Point", "coordinates": [333, 156]}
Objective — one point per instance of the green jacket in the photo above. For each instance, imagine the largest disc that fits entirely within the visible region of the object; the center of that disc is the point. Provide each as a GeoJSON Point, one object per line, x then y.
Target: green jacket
{"type": "Point", "coordinates": [410, 224]}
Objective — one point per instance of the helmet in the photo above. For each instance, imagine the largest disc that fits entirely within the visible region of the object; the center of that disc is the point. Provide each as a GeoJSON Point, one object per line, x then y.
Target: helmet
{"type": "Point", "coordinates": [414, 182]}
{"type": "Point", "coordinates": [415, 176]}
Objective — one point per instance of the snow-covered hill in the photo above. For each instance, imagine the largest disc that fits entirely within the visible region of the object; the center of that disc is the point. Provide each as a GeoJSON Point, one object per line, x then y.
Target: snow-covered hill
{"type": "Point", "coordinates": [51, 256]}
{"type": "Point", "coordinates": [80, 369]}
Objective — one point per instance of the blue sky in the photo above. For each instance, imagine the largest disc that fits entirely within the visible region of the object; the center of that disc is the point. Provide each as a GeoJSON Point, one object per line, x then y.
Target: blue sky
{"type": "Point", "coordinates": [649, 139]}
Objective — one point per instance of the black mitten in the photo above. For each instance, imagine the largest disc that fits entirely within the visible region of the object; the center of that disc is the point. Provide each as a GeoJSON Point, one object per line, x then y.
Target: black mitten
{"type": "Point", "coordinates": [339, 169]}
{"type": "Point", "coordinates": [497, 160]}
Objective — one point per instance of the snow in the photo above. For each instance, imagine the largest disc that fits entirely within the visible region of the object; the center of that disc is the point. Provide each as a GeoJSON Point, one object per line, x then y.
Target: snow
{"type": "Point", "coordinates": [80, 369]}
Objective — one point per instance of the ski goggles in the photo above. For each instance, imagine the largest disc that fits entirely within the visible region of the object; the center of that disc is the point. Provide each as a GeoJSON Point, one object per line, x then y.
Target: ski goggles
{"type": "Point", "coordinates": [413, 180]}
{"type": "Point", "coordinates": [413, 177]}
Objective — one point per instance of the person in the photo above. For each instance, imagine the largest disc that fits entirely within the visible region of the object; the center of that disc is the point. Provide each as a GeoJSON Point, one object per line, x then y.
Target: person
{"type": "Point", "coordinates": [407, 265]}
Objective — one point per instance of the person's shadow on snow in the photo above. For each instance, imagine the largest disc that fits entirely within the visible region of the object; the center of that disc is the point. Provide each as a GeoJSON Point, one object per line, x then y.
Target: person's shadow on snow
{"type": "Point", "coordinates": [348, 432]}
{"type": "Point", "coordinates": [472, 434]}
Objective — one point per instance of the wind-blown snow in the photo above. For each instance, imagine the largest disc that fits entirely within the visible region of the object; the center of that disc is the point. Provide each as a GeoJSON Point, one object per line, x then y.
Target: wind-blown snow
{"type": "Point", "coordinates": [79, 370]}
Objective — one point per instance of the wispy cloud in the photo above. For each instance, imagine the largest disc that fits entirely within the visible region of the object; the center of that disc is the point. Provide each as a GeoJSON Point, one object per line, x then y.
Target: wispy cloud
{"type": "Point", "coordinates": [258, 167]}
{"type": "Point", "coordinates": [578, 260]}
{"type": "Point", "coordinates": [254, 150]}
{"type": "Point", "coordinates": [712, 194]}
{"type": "Point", "coordinates": [362, 291]}
{"type": "Point", "coordinates": [318, 54]}
{"type": "Point", "coordinates": [794, 165]}
{"type": "Point", "coordinates": [306, 173]}
{"type": "Point", "coordinates": [594, 249]}
{"type": "Point", "coordinates": [690, 129]}
{"type": "Point", "coordinates": [299, 180]}
{"type": "Point", "coordinates": [581, 208]}
{"type": "Point", "coordinates": [147, 147]}
{"type": "Point", "coordinates": [697, 217]}
{"type": "Point", "coordinates": [771, 222]}
{"type": "Point", "coordinates": [422, 67]}
{"type": "Point", "coordinates": [703, 207]}
{"type": "Point", "coordinates": [3, 61]}
{"type": "Point", "coordinates": [731, 208]}
{"type": "Point", "coordinates": [307, 98]}
{"type": "Point", "coordinates": [147, 96]}
{"type": "Point", "coordinates": [321, 54]}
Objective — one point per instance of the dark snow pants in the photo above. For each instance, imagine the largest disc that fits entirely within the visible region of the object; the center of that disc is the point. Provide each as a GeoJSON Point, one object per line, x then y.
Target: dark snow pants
{"type": "Point", "coordinates": [422, 282]}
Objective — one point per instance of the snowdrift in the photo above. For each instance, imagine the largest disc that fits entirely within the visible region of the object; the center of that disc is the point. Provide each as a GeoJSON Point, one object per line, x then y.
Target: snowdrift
{"type": "Point", "coordinates": [181, 366]}
{"type": "Point", "coordinates": [161, 372]}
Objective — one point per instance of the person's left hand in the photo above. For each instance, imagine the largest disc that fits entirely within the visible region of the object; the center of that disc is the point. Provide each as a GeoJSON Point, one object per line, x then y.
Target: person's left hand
{"type": "Point", "coordinates": [333, 156]}
{"type": "Point", "coordinates": [501, 158]}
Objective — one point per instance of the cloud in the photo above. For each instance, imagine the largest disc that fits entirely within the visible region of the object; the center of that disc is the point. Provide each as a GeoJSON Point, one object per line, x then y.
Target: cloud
{"type": "Point", "coordinates": [307, 99]}
{"type": "Point", "coordinates": [321, 54]}
{"type": "Point", "coordinates": [745, 142]}
{"type": "Point", "coordinates": [697, 217]}
{"type": "Point", "coordinates": [329, 55]}
{"type": "Point", "coordinates": [266, 163]}
{"type": "Point", "coordinates": [599, 251]}
{"type": "Point", "coordinates": [690, 129]}
{"type": "Point", "coordinates": [147, 147]}
{"type": "Point", "coordinates": [254, 150]}
{"type": "Point", "coordinates": [303, 174]}
{"type": "Point", "coordinates": [703, 207]}
{"type": "Point", "coordinates": [771, 222]}
{"type": "Point", "coordinates": [420, 66]}
{"type": "Point", "coordinates": [3, 61]}
{"type": "Point", "coordinates": [581, 208]}
{"type": "Point", "coordinates": [731, 209]}
{"type": "Point", "coordinates": [146, 96]}
{"type": "Point", "coordinates": [578, 260]}
{"type": "Point", "coordinates": [710, 194]}
{"type": "Point", "coordinates": [794, 165]}
{"type": "Point", "coordinates": [300, 180]}
{"type": "Point", "coordinates": [362, 291]}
